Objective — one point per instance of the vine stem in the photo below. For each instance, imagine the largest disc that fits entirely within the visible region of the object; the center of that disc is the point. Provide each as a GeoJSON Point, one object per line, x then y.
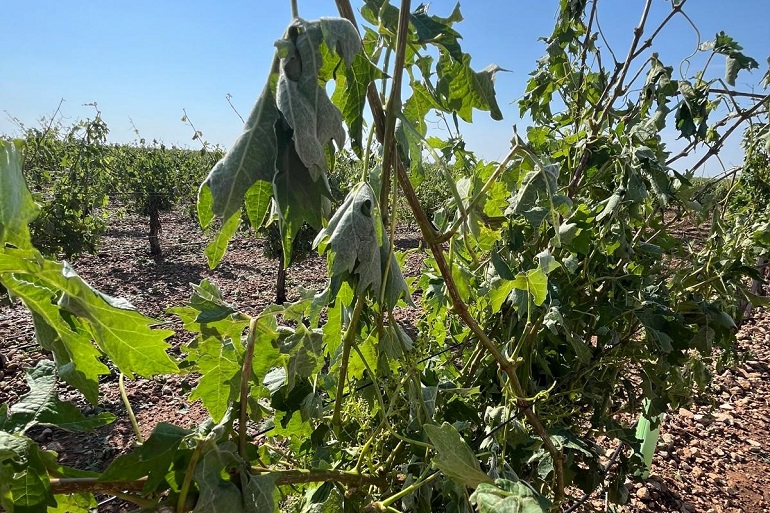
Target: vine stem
{"type": "Point", "coordinates": [461, 309]}
{"type": "Point", "coordinates": [188, 476]}
{"type": "Point", "coordinates": [245, 380]}
{"type": "Point", "coordinates": [65, 485]}
{"type": "Point", "coordinates": [347, 343]}
{"type": "Point", "coordinates": [129, 410]}
{"type": "Point", "coordinates": [384, 504]}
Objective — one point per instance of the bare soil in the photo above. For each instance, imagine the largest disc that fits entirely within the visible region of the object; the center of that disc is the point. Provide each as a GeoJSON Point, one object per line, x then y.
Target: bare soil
{"type": "Point", "coordinates": [712, 457]}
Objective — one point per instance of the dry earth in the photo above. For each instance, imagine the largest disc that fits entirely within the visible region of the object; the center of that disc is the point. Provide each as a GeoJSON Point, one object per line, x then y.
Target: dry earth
{"type": "Point", "coordinates": [712, 457]}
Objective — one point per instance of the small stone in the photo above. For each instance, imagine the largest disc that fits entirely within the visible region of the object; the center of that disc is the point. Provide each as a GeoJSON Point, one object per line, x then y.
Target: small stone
{"type": "Point", "coordinates": [753, 443]}
{"type": "Point", "coordinates": [56, 447]}
{"type": "Point", "coordinates": [643, 493]}
{"type": "Point", "coordinates": [685, 466]}
{"type": "Point", "coordinates": [694, 451]}
{"type": "Point", "coordinates": [685, 413]}
{"type": "Point", "coordinates": [726, 406]}
{"type": "Point", "coordinates": [46, 434]}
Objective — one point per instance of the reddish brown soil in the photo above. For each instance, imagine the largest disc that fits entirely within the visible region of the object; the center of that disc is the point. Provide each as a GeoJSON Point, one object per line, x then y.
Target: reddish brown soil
{"type": "Point", "coordinates": [712, 458]}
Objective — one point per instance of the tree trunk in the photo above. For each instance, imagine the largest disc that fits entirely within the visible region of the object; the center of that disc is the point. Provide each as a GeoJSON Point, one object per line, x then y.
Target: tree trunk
{"type": "Point", "coordinates": [154, 236]}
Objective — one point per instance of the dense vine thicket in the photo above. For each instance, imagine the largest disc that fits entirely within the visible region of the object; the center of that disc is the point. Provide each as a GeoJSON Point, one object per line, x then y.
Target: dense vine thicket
{"type": "Point", "coordinates": [560, 308]}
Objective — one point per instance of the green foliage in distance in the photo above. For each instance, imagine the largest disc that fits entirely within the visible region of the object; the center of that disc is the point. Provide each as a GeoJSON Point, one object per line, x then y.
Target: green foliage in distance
{"type": "Point", "coordinates": [70, 172]}
{"type": "Point", "coordinates": [557, 302]}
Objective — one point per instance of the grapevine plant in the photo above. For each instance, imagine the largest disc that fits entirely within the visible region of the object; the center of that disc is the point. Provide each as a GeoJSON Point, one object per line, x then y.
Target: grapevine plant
{"type": "Point", "coordinates": [559, 306]}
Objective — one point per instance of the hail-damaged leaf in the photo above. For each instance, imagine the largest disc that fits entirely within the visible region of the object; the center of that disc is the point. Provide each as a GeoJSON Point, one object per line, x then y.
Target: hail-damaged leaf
{"type": "Point", "coordinates": [42, 406]}
{"type": "Point", "coordinates": [455, 459]}
{"type": "Point", "coordinates": [307, 109]}
{"type": "Point", "coordinates": [299, 197]}
{"type": "Point", "coordinates": [17, 208]}
{"type": "Point", "coordinates": [358, 248]}
{"type": "Point", "coordinates": [462, 89]}
{"type": "Point", "coordinates": [735, 59]}
{"type": "Point", "coordinates": [438, 31]}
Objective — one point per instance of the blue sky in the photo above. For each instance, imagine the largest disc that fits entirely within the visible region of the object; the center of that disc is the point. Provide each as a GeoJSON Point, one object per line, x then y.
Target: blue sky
{"type": "Point", "coordinates": [144, 61]}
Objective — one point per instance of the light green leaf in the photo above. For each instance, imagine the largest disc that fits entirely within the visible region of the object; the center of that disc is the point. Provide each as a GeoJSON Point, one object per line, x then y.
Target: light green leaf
{"type": "Point", "coordinates": [77, 359]}
{"type": "Point", "coordinates": [535, 282]}
{"type": "Point", "coordinates": [217, 248]}
{"type": "Point", "coordinates": [153, 458]}
{"type": "Point", "coordinates": [508, 497]}
{"type": "Point", "coordinates": [220, 367]}
{"type": "Point", "coordinates": [74, 503]}
{"type": "Point", "coordinates": [455, 459]}
{"type": "Point", "coordinates": [42, 406]}
{"type": "Point", "coordinates": [463, 89]}
{"type": "Point", "coordinates": [350, 95]}
{"type": "Point", "coordinates": [17, 208]}
{"type": "Point", "coordinates": [258, 202]}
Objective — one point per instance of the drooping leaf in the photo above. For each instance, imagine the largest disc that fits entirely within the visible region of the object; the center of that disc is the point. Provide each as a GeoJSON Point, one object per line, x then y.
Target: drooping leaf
{"type": "Point", "coordinates": [259, 493]}
{"type": "Point", "coordinates": [358, 248]}
{"type": "Point", "coordinates": [216, 249]}
{"type": "Point", "coordinates": [300, 198]}
{"type": "Point", "coordinates": [308, 111]}
{"type": "Point", "coordinates": [42, 406]}
{"type": "Point", "coordinates": [455, 459]}
{"type": "Point", "coordinates": [218, 495]}
{"type": "Point", "coordinates": [153, 458]}
{"type": "Point", "coordinates": [250, 159]}
{"type": "Point", "coordinates": [17, 208]}
{"type": "Point", "coordinates": [82, 502]}
{"type": "Point", "coordinates": [207, 299]}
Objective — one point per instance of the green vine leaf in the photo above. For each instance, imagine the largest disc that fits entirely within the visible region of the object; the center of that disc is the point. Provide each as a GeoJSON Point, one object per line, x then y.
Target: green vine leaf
{"type": "Point", "coordinates": [17, 208]}
{"type": "Point", "coordinates": [463, 89]}
{"type": "Point", "coordinates": [219, 364]}
{"type": "Point", "coordinates": [350, 95]}
{"type": "Point", "coordinates": [76, 357]}
{"type": "Point", "coordinates": [508, 496]}
{"type": "Point", "coordinates": [25, 484]}
{"type": "Point", "coordinates": [42, 406]}
{"type": "Point", "coordinates": [455, 459]}
{"type": "Point", "coordinates": [152, 459]}
{"type": "Point", "coordinates": [438, 31]}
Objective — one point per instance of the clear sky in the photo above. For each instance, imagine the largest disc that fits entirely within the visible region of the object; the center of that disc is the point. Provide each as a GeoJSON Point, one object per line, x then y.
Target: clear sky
{"type": "Point", "coordinates": [144, 61]}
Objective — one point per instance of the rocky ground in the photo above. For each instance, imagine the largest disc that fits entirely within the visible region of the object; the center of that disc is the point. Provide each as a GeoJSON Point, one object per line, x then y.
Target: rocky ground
{"type": "Point", "coordinates": [712, 457]}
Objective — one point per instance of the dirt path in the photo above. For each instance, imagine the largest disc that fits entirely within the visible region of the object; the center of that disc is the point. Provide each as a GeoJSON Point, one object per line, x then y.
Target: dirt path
{"type": "Point", "coordinates": [712, 458]}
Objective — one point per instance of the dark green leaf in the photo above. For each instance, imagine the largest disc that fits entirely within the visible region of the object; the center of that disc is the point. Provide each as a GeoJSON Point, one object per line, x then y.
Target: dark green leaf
{"type": "Point", "coordinates": [153, 458]}
{"type": "Point", "coordinates": [42, 406]}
